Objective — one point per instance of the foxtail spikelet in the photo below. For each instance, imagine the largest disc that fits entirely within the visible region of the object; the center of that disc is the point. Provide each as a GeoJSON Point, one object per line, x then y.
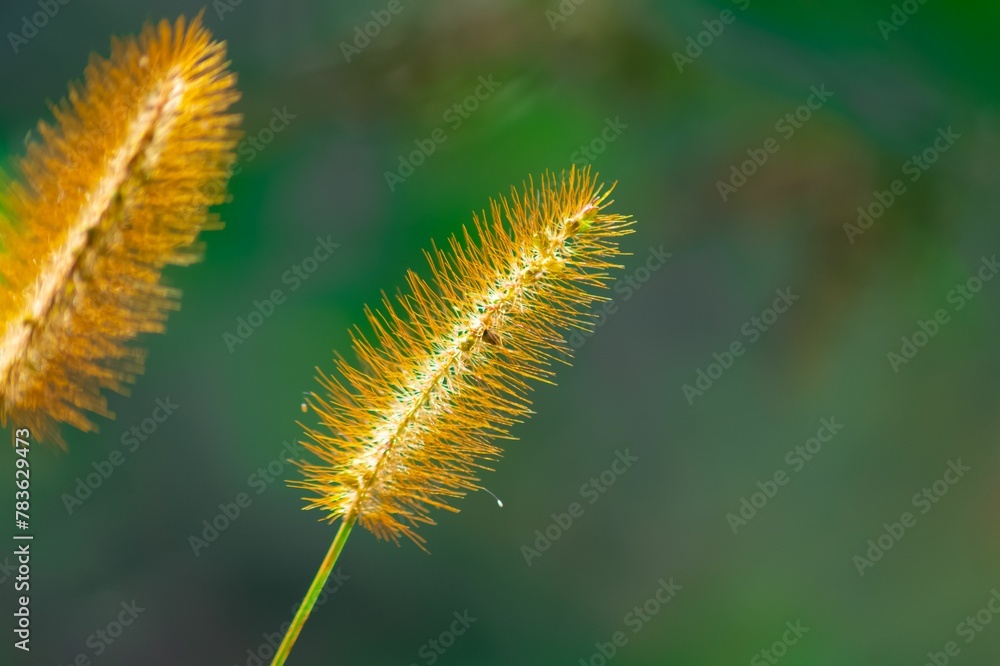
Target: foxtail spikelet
{"type": "Point", "coordinates": [448, 369]}
{"type": "Point", "coordinates": [118, 189]}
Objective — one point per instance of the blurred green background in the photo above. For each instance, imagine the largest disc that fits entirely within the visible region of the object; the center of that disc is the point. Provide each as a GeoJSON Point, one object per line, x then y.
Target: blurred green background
{"type": "Point", "coordinates": [672, 130]}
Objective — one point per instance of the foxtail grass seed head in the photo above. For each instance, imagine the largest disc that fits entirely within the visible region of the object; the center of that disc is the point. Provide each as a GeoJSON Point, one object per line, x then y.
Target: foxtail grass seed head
{"type": "Point", "coordinates": [117, 189]}
{"type": "Point", "coordinates": [447, 369]}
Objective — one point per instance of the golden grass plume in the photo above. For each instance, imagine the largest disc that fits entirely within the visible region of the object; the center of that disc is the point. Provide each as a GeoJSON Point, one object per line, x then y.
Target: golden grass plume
{"type": "Point", "coordinates": [409, 428]}
{"type": "Point", "coordinates": [115, 191]}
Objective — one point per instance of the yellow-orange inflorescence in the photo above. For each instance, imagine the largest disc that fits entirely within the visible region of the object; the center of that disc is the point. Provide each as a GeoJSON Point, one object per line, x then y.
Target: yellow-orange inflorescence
{"type": "Point", "coordinates": [115, 191]}
{"type": "Point", "coordinates": [447, 371]}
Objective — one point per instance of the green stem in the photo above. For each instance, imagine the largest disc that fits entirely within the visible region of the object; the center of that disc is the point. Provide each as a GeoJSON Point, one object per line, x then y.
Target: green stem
{"type": "Point", "coordinates": [317, 586]}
